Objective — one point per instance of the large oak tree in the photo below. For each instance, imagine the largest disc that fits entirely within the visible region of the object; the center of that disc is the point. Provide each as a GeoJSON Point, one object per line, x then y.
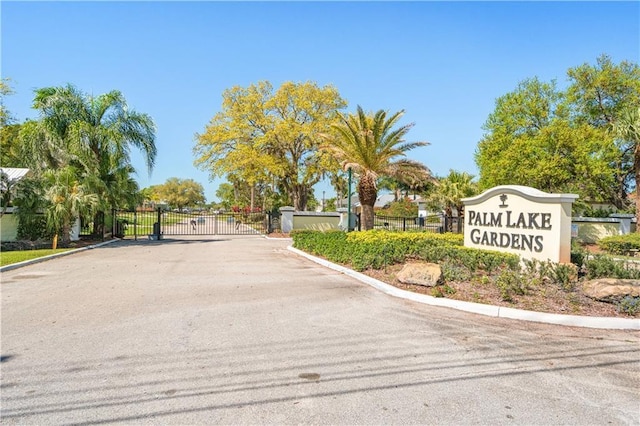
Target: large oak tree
{"type": "Point", "coordinates": [265, 136]}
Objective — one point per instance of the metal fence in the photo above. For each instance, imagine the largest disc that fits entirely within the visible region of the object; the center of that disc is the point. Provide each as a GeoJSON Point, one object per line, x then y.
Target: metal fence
{"type": "Point", "coordinates": [393, 223]}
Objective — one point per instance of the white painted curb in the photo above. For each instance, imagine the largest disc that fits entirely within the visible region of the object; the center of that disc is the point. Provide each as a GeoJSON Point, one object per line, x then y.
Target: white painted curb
{"type": "Point", "coordinates": [53, 256]}
{"type": "Point", "coordinates": [478, 308]}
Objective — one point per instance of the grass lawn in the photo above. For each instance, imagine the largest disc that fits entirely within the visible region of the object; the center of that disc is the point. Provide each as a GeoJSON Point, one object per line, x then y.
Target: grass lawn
{"type": "Point", "coordinates": [10, 257]}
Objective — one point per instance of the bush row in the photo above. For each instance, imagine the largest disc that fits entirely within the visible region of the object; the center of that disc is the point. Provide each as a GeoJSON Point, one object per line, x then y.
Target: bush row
{"type": "Point", "coordinates": [377, 248]}
{"type": "Point", "coordinates": [620, 244]}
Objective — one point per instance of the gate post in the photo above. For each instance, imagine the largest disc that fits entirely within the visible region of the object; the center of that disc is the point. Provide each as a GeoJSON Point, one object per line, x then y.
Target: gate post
{"type": "Point", "coordinates": [159, 228]}
{"type": "Point", "coordinates": [215, 224]}
{"type": "Point", "coordinates": [286, 219]}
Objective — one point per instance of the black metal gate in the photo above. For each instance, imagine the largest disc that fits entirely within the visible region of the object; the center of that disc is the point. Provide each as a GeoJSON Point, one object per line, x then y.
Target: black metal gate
{"type": "Point", "coordinates": [175, 223]}
{"type": "Point", "coordinates": [159, 223]}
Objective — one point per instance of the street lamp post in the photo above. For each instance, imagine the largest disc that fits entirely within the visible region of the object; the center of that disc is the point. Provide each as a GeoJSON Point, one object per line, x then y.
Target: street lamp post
{"type": "Point", "coordinates": [349, 203]}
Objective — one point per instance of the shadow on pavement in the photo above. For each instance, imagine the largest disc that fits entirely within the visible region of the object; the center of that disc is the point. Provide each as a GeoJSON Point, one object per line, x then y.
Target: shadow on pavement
{"type": "Point", "coordinates": [164, 241]}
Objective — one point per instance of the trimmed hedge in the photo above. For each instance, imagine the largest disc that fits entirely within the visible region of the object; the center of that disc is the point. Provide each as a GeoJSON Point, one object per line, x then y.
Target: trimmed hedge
{"type": "Point", "coordinates": [377, 248]}
{"type": "Point", "coordinates": [620, 244]}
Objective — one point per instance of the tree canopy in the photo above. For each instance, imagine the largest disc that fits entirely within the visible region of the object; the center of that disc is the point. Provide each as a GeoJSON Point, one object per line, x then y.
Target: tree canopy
{"type": "Point", "coordinates": [561, 141]}
{"type": "Point", "coordinates": [265, 136]}
{"type": "Point", "coordinates": [371, 146]}
{"type": "Point", "coordinates": [177, 192]}
{"type": "Point", "coordinates": [87, 140]}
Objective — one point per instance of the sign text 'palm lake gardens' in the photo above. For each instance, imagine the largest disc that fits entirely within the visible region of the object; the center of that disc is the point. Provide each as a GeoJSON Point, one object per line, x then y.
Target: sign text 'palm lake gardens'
{"type": "Point", "coordinates": [511, 222]}
{"type": "Point", "coordinates": [520, 220]}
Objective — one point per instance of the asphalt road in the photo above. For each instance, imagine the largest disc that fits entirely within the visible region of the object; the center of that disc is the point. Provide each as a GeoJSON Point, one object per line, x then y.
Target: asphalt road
{"type": "Point", "coordinates": [238, 330]}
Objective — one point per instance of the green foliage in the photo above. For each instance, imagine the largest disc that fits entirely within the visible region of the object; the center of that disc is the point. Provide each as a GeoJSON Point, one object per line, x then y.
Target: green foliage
{"type": "Point", "coordinates": [452, 272]}
{"type": "Point", "coordinates": [620, 244]}
{"type": "Point", "coordinates": [532, 140]}
{"type": "Point", "coordinates": [377, 248]}
{"type": "Point", "coordinates": [10, 155]}
{"type": "Point", "coordinates": [450, 190]}
{"type": "Point", "coordinates": [510, 282]}
{"type": "Point", "coordinates": [11, 257]}
{"type": "Point", "coordinates": [561, 141]}
{"type": "Point", "coordinates": [33, 227]}
{"type": "Point", "coordinates": [401, 208]}
{"type": "Point", "coordinates": [67, 199]}
{"type": "Point", "coordinates": [563, 275]}
{"type": "Point", "coordinates": [262, 136]}
{"type": "Point", "coordinates": [182, 192]}
{"type": "Point", "coordinates": [629, 305]}
{"type": "Point", "coordinates": [5, 115]}
{"type": "Point", "coordinates": [86, 140]}
{"type": "Point", "coordinates": [627, 130]}
{"type": "Point", "coordinates": [330, 244]}
{"type": "Point", "coordinates": [599, 212]}
{"type": "Point", "coordinates": [603, 266]}
{"type": "Point", "coordinates": [369, 145]}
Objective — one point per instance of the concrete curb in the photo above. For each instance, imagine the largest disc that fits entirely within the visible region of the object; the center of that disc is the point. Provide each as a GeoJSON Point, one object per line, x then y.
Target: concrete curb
{"type": "Point", "coordinates": [53, 256]}
{"type": "Point", "coordinates": [478, 308]}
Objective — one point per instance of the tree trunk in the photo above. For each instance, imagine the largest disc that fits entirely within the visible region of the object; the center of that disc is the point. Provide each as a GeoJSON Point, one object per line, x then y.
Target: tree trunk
{"type": "Point", "coordinates": [367, 193]}
{"type": "Point", "coordinates": [299, 195]}
{"type": "Point", "coordinates": [449, 214]}
{"type": "Point", "coordinates": [98, 224]}
{"type": "Point", "coordinates": [253, 195]}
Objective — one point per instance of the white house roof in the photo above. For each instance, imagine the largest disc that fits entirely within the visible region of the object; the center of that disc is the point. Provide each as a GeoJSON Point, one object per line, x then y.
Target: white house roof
{"type": "Point", "coordinates": [13, 175]}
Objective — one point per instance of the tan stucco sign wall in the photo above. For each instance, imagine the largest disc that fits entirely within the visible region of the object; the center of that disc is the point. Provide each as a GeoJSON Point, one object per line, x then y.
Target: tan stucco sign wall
{"type": "Point", "coordinates": [521, 220]}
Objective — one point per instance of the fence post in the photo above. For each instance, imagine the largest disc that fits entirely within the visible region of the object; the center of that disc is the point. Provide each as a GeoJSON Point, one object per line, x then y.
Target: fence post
{"type": "Point", "coordinates": [135, 224]}
{"type": "Point", "coordinates": [404, 224]}
{"type": "Point", "coordinates": [158, 235]}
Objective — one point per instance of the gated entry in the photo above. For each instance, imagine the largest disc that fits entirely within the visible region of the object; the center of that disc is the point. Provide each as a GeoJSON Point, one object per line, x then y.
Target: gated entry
{"type": "Point", "coordinates": [174, 223]}
{"type": "Point", "coordinates": [140, 224]}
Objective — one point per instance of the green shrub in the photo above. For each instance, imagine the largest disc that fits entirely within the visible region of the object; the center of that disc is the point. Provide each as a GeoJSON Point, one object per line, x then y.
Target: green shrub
{"type": "Point", "coordinates": [578, 254]}
{"type": "Point", "coordinates": [620, 244]}
{"type": "Point", "coordinates": [33, 227]}
{"type": "Point", "coordinates": [452, 272]}
{"type": "Point", "coordinates": [563, 275]}
{"type": "Point", "coordinates": [378, 248]}
{"type": "Point", "coordinates": [510, 283]}
{"type": "Point", "coordinates": [629, 305]}
{"type": "Point", "coordinates": [603, 266]}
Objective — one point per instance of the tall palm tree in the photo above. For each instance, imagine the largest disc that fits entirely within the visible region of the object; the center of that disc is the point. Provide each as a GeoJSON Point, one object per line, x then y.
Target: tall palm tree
{"type": "Point", "coordinates": [627, 128]}
{"type": "Point", "coordinates": [94, 135]}
{"type": "Point", "coordinates": [371, 147]}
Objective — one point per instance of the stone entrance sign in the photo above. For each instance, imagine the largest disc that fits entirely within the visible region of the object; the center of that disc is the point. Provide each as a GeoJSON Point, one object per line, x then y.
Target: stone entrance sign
{"type": "Point", "coordinates": [520, 220]}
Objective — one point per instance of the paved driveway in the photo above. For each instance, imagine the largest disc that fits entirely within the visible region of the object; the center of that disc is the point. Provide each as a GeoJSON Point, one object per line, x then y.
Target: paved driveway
{"type": "Point", "coordinates": [238, 330]}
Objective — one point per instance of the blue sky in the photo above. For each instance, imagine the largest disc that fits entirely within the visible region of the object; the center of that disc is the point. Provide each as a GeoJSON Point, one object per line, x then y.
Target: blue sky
{"type": "Point", "coordinates": [444, 63]}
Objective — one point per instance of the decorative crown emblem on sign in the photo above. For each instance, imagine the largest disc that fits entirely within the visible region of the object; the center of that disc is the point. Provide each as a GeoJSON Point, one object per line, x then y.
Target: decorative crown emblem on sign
{"type": "Point", "coordinates": [503, 198]}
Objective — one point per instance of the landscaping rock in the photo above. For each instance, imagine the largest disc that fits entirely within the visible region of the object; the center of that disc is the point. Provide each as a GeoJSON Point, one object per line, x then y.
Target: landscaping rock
{"type": "Point", "coordinates": [425, 274]}
{"type": "Point", "coordinates": [611, 289]}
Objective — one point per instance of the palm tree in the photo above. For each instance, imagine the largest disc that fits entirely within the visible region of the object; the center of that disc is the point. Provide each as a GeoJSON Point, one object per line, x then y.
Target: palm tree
{"type": "Point", "coordinates": [369, 146]}
{"type": "Point", "coordinates": [67, 199]}
{"type": "Point", "coordinates": [94, 135]}
{"type": "Point", "coordinates": [450, 191]}
{"type": "Point", "coordinates": [627, 128]}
